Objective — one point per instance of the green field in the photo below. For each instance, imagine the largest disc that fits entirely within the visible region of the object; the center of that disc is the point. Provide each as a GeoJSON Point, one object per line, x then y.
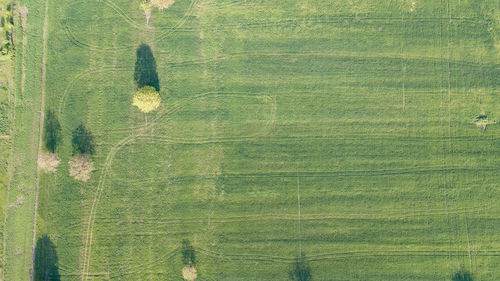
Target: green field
{"type": "Point", "coordinates": [5, 144]}
{"type": "Point", "coordinates": [6, 98]}
{"type": "Point", "coordinates": [345, 130]}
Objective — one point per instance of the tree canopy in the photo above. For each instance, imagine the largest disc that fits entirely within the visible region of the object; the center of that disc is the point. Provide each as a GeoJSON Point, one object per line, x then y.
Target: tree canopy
{"type": "Point", "coordinates": [83, 141]}
{"type": "Point", "coordinates": [52, 131]}
{"type": "Point", "coordinates": [161, 4]}
{"type": "Point", "coordinates": [147, 99]}
{"type": "Point", "coordinates": [45, 266]}
{"type": "Point", "coordinates": [145, 73]}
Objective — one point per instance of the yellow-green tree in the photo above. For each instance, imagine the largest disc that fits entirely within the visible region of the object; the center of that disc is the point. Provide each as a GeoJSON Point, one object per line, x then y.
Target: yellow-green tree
{"type": "Point", "coordinates": [147, 99]}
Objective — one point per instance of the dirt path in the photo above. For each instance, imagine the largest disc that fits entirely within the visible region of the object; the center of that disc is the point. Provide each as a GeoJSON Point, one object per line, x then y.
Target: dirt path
{"type": "Point", "coordinates": [42, 116]}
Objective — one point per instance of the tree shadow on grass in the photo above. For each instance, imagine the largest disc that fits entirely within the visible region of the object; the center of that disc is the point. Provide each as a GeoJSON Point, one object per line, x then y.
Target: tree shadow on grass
{"type": "Point", "coordinates": [45, 266]}
{"type": "Point", "coordinates": [52, 131]}
{"type": "Point", "coordinates": [301, 271]}
{"type": "Point", "coordinates": [145, 73]}
{"type": "Point", "coordinates": [462, 276]}
{"type": "Point", "coordinates": [188, 254]}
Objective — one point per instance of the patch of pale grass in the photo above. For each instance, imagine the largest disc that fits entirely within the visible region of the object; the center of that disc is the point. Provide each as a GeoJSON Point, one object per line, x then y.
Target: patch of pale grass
{"type": "Point", "coordinates": [48, 162]}
{"type": "Point", "coordinates": [81, 167]}
{"type": "Point", "coordinates": [19, 201]}
{"type": "Point", "coordinates": [23, 12]}
{"type": "Point", "coordinates": [482, 124]}
{"type": "Point", "coordinates": [189, 273]}
{"type": "Point", "coordinates": [18, 252]}
{"type": "Point", "coordinates": [413, 6]}
{"type": "Point", "coordinates": [199, 9]}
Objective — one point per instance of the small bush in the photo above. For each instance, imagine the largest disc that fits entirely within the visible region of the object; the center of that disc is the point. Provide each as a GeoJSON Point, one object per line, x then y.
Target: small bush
{"type": "Point", "coordinates": [7, 24]}
{"type": "Point", "coordinates": [48, 162]}
{"type": "Point", "coordinates": [189, 273]}
{"type": "Point", "coordinates": [147, 99]}
{"type": "Point", "coordinates": [162, 4]}
{"type": "Point", "coordinates": [81, 167]}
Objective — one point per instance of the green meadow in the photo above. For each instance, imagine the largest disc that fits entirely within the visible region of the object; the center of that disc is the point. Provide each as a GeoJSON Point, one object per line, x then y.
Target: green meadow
{"type": "Point", "coordinates": [362, 136]}
{"type": "Point", "coordinates": [5, 144]}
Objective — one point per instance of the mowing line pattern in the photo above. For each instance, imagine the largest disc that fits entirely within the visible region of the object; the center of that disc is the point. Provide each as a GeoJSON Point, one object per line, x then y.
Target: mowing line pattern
{"type": "Point", "coordinates": [381, 130]}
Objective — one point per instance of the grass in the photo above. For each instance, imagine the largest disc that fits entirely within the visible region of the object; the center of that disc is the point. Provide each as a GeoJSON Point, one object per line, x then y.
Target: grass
{"type": "Point", "coordinates": [25, 129]}
{"type": "Point", "coordinates": [4, 95]}
{"type": "Point", "coordinates": [363, 108]}
{"type": "Point", "coordinates": [4, 152]}
{"type": "Point", "coordinates": [5, 140]}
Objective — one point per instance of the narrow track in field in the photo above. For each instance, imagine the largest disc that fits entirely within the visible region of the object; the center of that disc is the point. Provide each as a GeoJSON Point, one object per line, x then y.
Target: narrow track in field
{"type": "Point", "coordinates": [42, 117]}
